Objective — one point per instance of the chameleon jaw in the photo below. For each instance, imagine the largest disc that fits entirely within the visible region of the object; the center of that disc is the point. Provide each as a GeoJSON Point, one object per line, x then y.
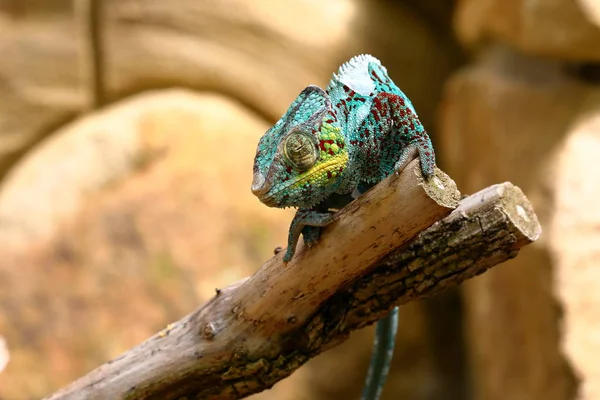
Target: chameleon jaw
{"type": "Point", "coordinates": [320, 176]}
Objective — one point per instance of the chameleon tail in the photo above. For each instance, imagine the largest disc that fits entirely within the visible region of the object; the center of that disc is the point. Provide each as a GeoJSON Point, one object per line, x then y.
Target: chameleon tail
{"type": "Point", "coordinates": [383, 350]}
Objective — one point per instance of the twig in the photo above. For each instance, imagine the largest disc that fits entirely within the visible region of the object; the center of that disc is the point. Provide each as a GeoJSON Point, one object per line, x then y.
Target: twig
{"type": "Point", "coordinates": [258, 331]}
{"type": "Point", "coordinates": [89, 15]}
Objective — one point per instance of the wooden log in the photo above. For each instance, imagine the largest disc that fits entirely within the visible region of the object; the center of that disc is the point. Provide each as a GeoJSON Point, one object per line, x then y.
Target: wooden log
{"type": "Point", "coordinates": [398, 242]}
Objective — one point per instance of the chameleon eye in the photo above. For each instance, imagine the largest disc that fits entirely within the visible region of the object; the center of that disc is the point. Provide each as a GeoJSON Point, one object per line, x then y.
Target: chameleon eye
{"type": "Point", "coordinates": [300, 151]}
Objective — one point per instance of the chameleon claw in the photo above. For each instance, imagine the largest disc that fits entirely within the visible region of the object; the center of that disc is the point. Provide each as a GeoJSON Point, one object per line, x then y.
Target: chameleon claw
{"type": "Point", "coordinates": [289, 254]}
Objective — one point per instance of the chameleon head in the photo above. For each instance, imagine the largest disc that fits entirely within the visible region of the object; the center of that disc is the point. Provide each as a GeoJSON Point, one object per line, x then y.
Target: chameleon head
{"type": "Point", "coordinates": [299, 160]}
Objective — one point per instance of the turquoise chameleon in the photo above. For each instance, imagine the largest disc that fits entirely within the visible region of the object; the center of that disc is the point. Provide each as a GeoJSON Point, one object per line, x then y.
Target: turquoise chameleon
{"type": "Point", "coordinates": [329, 147]}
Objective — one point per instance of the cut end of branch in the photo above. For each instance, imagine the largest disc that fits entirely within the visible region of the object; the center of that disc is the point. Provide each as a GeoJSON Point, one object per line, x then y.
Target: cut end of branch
{"type": "Point", "coordinates": [519, 211]}
{"type": "Point", "coordinates": [440, 188]}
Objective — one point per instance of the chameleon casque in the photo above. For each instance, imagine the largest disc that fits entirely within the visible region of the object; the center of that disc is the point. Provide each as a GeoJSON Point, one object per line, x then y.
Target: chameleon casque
{"type": "Point", "coordinates": [329, 147]}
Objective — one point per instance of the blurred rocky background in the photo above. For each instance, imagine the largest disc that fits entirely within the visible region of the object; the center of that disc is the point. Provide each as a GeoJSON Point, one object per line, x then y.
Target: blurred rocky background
{"type": "Point", "coordinates": [126, 143]}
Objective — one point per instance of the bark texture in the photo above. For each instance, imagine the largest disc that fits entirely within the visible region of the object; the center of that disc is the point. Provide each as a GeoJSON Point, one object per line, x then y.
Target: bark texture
{"type": "Point", "coordinates": [378, 254]}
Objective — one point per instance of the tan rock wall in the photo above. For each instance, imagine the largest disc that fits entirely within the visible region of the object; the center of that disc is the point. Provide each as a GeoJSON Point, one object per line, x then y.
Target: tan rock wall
{"type": "Point", "coordinates": [502, 120]}
{"type": "Point", "coordinates": [514, 115]}
{"type": "Point", "coordinates": [114, 223]}
{"type": "Point", "coordinates": [260, 53]}
{"type": "Point", "coordinates": [150, 195]}
{"type": "Point", "coordinates": [558, 29]}
{"type": "Point", "coordinates": [575, 243]}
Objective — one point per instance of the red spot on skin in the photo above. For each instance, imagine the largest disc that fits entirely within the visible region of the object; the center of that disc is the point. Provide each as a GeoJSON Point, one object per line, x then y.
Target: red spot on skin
{"type": "Point", "coordinates": [375, 114]}
{"type": "Point", "coordinates": [322, 144]}
{"type": "Point", "coordinates": [329, 174]}
{"type": "Point", "coordinates": [393, 98]}
{"type": "Point", "coordinates": [288, 170]}
{"type": "Point", "coordinates": [378, 104]}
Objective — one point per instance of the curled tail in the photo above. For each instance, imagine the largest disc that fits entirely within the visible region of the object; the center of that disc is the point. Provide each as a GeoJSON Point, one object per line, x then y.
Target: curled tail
{"type": "Point", "coordinates": [383, 350]}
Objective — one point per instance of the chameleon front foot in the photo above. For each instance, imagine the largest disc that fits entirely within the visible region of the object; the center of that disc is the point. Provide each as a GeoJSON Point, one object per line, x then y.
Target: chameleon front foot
{"type": "Point", "coordinates": [311, 235]}
{"type": "Point", "coordinates": [308, 223]}
{"type": "Point", "coordinates": [289, 254]}
{"type": "Point", "coordinates": [423, 151]}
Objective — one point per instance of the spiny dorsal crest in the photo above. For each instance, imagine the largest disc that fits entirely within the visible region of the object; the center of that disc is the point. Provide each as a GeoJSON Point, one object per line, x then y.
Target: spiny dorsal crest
{"type": "Point", "coordinates": [355, 74]}
{"type": "Point", "coordinates": [360, 61]}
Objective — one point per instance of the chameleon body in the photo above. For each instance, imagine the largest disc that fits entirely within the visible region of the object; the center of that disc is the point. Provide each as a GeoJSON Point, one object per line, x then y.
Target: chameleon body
{"type": "Point", "coordinates": [329, 147]}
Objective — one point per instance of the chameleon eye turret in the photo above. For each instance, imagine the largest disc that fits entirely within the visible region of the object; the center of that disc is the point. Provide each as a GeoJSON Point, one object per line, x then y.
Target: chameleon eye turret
{"type": "Point", "coordinates": [300, 151]}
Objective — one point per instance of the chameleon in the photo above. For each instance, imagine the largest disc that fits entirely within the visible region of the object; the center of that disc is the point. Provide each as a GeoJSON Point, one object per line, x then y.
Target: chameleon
{"type": "Point", "coordinates": [329, 147]}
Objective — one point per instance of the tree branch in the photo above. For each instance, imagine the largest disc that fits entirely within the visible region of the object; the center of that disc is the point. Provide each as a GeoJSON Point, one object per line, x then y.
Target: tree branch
{"type": "Point", "coordinates": [384, 249]}
{"type": "Point", "coordinates": [89, 15]}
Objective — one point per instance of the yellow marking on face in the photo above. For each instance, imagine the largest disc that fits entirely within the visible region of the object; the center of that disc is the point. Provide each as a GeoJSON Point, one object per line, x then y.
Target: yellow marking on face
{"type": "Point", "coordinates": [316, 176]}
{"type": "Point", "coordinates": [318, 173]}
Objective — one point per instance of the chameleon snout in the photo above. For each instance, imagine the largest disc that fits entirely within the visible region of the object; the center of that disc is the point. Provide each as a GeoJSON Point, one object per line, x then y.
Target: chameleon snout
{"type": "Point", "coordinates": [259, 185]}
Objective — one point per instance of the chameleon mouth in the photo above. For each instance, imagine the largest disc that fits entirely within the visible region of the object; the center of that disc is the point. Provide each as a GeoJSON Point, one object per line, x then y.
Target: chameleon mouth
{"type": "Point", "coordinates": [259, 185]}
{"type": "Point", "coordinates": [320, 175]}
